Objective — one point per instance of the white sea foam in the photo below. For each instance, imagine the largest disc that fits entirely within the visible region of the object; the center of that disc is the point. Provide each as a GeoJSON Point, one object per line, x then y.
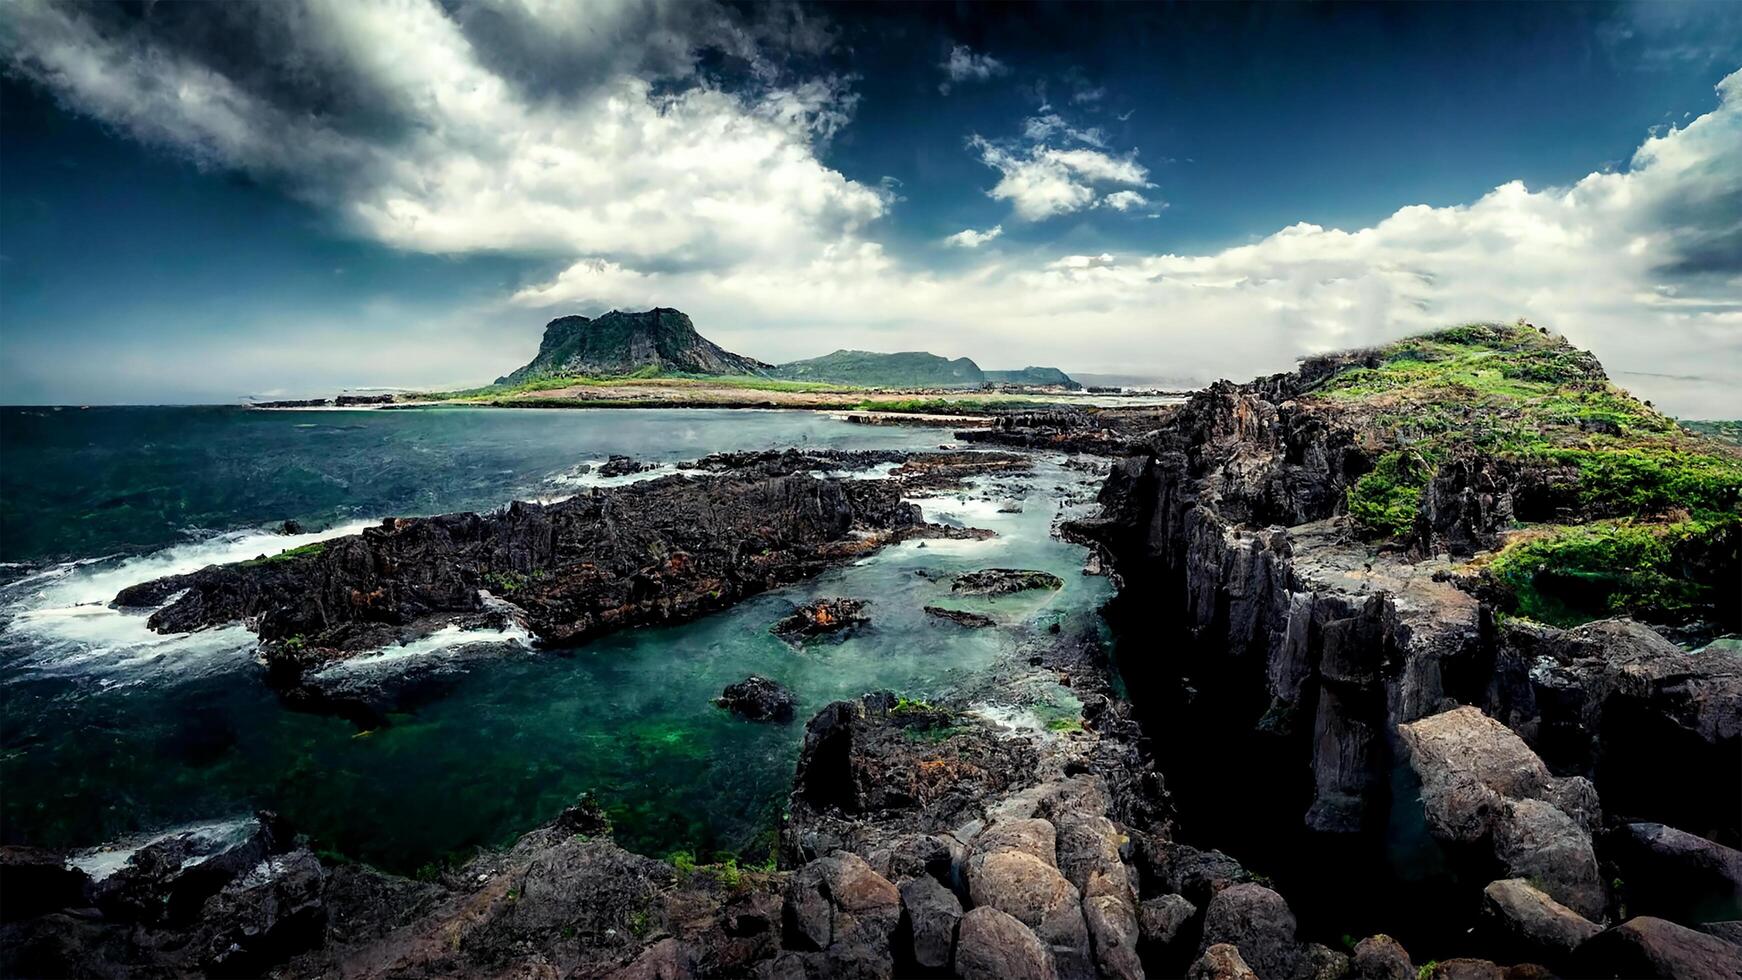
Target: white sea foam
{"type": "Point", "coordinates": [209, 838]}
{"type": "Point", "coordinates": [450, 639]}
{"type": "Point", "coordinates": [64, 611]}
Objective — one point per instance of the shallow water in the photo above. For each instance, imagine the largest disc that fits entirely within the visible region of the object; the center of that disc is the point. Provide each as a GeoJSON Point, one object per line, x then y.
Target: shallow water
{"type": "Point", "coordinates": [110, 730]}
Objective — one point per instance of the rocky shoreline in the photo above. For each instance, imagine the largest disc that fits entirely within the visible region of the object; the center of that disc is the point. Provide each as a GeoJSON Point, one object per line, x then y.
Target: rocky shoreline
{"type": "Point", "coordinates": [1391, 760]}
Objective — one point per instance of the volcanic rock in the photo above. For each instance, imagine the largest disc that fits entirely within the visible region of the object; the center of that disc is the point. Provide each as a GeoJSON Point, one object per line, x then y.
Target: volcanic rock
{"type": "Point", "coordinates": [758, 699]}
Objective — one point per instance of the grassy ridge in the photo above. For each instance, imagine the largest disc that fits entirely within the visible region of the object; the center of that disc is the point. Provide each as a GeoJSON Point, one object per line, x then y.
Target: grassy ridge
{"type": "Point", "coordinates": [1647, 512]}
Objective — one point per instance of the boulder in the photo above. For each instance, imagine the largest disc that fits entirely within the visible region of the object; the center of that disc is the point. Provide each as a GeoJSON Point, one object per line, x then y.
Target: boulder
{"type": "Point", "coordinates": [1161, 921]}
{"type": "Point", "coordinates": [1113, 930]}
{"type": "Point", "coordinates": [992, 945]}
{"type": "Point", "coordinates": [1258, 922]}
{"type": "Point", "coordinates": [838, 905]}
{"type": "Point", "coordinates": [1482, 786]}
{"type": "Point", "coordinates": [1186, 870]}
{"type": "Point", "coordinates": [1652, 947]}
{"type": "Point", "coordinates": [758, 699]}
{"type": "Point", "coordinates": [1381, 958]}
{"type": "Point", "coordinates": [34, 881]}
{"type": "Point", "coordinates": [1011, 868]}
{"type": "Point", "coordinates": [667, 959]}
{"type": "Point", "coordinates": [1672, 873]}
{"type": "Point", "coordinates": [930, 912]}
{"type": "Point", "coordinates": [1528, 923]}
{"type": "Point", "coordinates": [623, 466]}
{"type": "Point", "coordinates": [1221, 962]}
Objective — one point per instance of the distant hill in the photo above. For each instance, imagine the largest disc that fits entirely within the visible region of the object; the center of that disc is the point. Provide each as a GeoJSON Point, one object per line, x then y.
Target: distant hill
{"type": "Point", "coordinates": [912, 369]}
{"type": "Point", "coordinates": [664, 341]}
{"type": "Point", "coordinates": [619, 343]}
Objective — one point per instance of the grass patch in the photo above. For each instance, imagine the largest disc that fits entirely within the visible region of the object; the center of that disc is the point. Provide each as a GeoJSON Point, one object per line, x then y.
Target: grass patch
{"type": "Point", "coordinates": [1570, 575]}
{"type": "Point", "coordinates": [1383, 503]}
{"type": "Point", "coordinates": [1652, 480]}
{"type": "Point", "coordinates": [290, 554]}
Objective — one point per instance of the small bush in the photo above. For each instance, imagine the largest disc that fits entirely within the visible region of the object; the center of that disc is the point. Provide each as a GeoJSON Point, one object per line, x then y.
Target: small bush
{"type": "Point", "coordinates": [1384, 502]}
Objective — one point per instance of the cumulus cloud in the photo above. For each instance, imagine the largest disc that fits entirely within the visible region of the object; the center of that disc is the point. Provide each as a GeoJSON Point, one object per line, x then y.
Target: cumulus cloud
{"type": "Point", "coordinates": [1628, 263]}
{"type": "Point", "coordinates": [969, 238]}
{"type": "Point", "coordinates": [419, 130]}
{"type": "Point", "coordinates": [1043, 181]}
{"type": "Point", "coordinates": [467, 127]}
{"type": "Point", "coordinates": [963, 64]}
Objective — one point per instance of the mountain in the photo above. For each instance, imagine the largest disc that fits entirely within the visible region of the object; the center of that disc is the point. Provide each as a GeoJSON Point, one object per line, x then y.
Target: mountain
{"type": "Point", "coordinates": [619, 343]}
{"type": "Point", "coordinates": [911, 369]}
{"type": "Point", "coordinates": [907, 369]}
{"type": "Point", "coordinates": [1032, 376]}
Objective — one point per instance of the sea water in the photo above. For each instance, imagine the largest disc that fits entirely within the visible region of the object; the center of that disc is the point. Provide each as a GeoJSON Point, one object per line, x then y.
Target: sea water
{"type": "Point", "coordinates": [111, 732]}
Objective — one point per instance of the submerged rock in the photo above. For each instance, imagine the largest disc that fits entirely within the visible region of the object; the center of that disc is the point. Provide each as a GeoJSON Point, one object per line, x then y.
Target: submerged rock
{"type": "Point", "coordinates": [1003, 581]}
{"type": "Point", "coordinates": [961, 617]}
{"type": "Point", "coordinates": [758, 699]}
{"type": "Point", "coordinates": [824, 617]}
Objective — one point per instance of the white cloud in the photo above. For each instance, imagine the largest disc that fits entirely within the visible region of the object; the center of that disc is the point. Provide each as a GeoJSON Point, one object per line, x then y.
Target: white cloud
{"type": "Point", "coordinates": [1631, 264]}
{"type": "Point", "coordinates": [466, 159]}
{"type": "Point", "coordinates": [1124, 200]}
{"type": "Point", "coordinates": [716, 202]}
{"type": "Point", "coordinates": [969, 238]}
{"type": "Point", "coordinates": [965, 65]}
{"type": "Point", "coordinates": [1043, 181]}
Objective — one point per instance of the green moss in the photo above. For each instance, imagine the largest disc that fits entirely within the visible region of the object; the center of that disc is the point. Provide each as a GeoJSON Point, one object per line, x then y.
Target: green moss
{"type": "Point", "coordinates": [290, 554]}
{"type": "Point", "coordinates": [1064, 724]}
{"type": "Point", "coordinates": [1566, 576]}
{"type": "Point", "coordinates": [1427, 970]}
{"type": "Point", "coordinates": [504, 583]}
{"type": "Point", "coordinates": [1383, 503]}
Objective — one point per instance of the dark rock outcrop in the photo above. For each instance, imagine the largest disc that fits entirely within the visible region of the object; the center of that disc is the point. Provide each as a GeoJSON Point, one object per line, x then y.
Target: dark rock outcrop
{"type": "Point", "coordinates": [758, 699]}
{"type": "Point", "coordinates": [824, 617]}
{"type": "Point", "coordinates": [961, 617]}
{"type": "Point", "coordinates": [623, 466]}
{"type": "Point", "coordinates": [657, 551]}
{"type": "Point", "coordinates": [1003, 581]}
{"type": "Point", "coordinates": [619, 343]}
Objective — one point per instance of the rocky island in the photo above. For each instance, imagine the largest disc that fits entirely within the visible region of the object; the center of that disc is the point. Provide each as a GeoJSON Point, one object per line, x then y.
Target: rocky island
{"type": "Point", "coordinates": [1417, 669]}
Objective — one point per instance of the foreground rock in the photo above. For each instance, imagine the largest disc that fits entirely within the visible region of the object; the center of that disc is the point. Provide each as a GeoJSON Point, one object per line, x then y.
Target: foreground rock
{"type": "Point", "coordinates": [1530, 925]}
{"type": "Point", "coordinates": [758, 699]}
{"type": "Point", "coordinates": [658, 551]}
{"type": "Point", "coordinates": [1481, 785]}
{"type": "Point", "coordinates": [1651, 947]}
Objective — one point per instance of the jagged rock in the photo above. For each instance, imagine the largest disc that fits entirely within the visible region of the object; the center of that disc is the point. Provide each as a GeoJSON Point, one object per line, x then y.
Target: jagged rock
{"type": "Point", "coordinates": [839, 906]}
{"type": "Point", "coordinates": [1003, 581]}
{"type": "Point", "coordinates": [657, 551]}
{"type": "Point", "coordinates": [931, 912]}
{"type": "Point", "coordinates": [960, 617]}
{"type": "Point", "coordinates": [667, 959]}
{"type": "Point", "coordinates": [1221, 961]}
{"type": "Point", "coordinates": [170, 878]}
{"type": "Point", "coordinates": [1161, 921]}
{"type": "Point", "coordinates": [1652, 947]}
{"type": "Point", "coordinates": [1645, 719]}
{"type": "Point", "coordinates": [993, 945]}
{"type": "Point", "coordinates": [1531, 925]}
{"type": "Point", "coordinates": [266, 915]}
{"type": "Point", "coordinates": [1381, 958]}
{"type": "Point", "coordinates": [623, 466]}
{"type": "Point", "coordinates": [1186, 870]}
{"type": "Point", "coordinates": [825, 617]}
{"type": "Point", "coordinates": [1671, 872]}
{"type": "Point", "coordinates": [1481, 785]}
{"type": "Point", "coordinates": [1258, 922]}
{"type": "Point", "coordinates": [758, 699]}
{"type": "Point", "coordinates": [34, 881]}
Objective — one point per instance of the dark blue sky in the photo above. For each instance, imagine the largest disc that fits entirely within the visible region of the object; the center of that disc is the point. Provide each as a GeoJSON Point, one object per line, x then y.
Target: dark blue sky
{"type": "Point", "coordinates": [139, 262]}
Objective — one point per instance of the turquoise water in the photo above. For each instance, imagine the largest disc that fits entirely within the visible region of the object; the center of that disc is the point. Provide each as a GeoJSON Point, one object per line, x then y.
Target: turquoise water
{"type": "Point", "coordinates": [110, 730]}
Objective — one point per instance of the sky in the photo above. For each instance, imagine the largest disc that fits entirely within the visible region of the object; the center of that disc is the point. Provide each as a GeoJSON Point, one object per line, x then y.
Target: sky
{"type": "Point", "coordinates": [205, 202]}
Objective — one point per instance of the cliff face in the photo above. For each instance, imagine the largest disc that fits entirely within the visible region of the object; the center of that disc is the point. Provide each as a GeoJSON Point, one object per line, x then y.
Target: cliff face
{"type": "Point", "coordinates": [619, 343]}
{"type": "Point", "coordinates": [1316, 596]}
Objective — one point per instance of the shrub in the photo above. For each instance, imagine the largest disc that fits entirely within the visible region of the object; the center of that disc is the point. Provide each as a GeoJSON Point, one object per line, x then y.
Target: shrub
{"type": "Point", "coordinates": [1383, 503]}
